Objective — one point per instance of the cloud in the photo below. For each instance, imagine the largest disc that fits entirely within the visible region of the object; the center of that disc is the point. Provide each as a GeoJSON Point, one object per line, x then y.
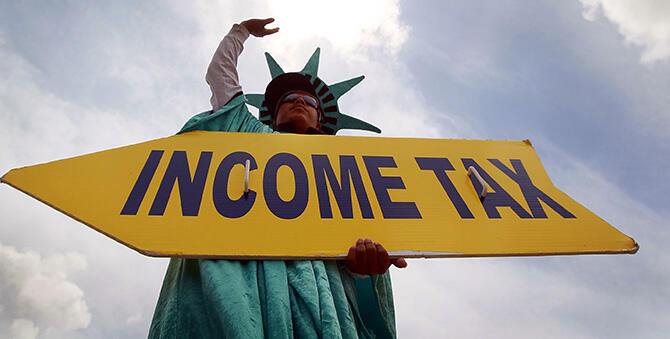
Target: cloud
{"type": "Point", "coordinates": [643, 23]}
{"type": "Point", "coordinates": [42, 126]}
{"type": "Point", "coordinates": [369, 25]}
{"type": "Point", "coordinates": [24, 329]}
{"type": "Point", "coordinates": [36, 292]}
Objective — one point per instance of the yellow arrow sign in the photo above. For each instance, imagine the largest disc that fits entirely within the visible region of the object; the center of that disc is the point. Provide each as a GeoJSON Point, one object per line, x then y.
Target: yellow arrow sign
{"type": "Point", "coordinates": [313, 196]}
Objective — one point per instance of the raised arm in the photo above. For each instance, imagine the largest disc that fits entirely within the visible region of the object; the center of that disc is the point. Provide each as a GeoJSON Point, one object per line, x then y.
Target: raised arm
{"type": "Point", "coordinates": [222, 71]}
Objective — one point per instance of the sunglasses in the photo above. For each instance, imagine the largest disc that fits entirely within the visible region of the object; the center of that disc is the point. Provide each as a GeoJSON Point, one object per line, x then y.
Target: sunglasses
{"type": "Point", "coordinates": [306, 98]}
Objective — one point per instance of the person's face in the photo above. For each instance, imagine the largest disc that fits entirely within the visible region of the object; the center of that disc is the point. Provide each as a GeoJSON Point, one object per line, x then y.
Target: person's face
{"type": "Point", "coordinates": [298, 114]}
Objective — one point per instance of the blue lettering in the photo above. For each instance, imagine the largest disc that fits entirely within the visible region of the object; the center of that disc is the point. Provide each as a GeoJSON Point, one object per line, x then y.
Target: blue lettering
{"type": "Point", "coordinates": [381, 184]}
{"type": "Point", "coordinates": [499, 198]}
{"type": "Point", "coordinates": [285, 209]}
{"type": "Point", "coordinates": [532, 194]}
{"type": "Point", "coordinates": [190, 191]}
{"type": "Point", "coordinates": [439, 166]}
{"type": "Point", "coordinates": [341, 190]}
{"type": "Point", "coordinates": [224, 205]}
{"type": "Point", "coordinates": [142, 184]}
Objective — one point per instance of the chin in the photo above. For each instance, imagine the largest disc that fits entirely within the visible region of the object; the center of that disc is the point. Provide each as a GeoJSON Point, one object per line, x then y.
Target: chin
{"type": "Point", "coordinates": [295, 126]}
{"type": "Point", "coordinates": [300, 121]}
{"type": "Point", "coordinates": [301, 126]}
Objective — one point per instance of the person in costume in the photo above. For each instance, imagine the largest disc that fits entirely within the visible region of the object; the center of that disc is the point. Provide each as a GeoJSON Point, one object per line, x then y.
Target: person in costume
{"type": "Point", "coordinates": [276, 299]}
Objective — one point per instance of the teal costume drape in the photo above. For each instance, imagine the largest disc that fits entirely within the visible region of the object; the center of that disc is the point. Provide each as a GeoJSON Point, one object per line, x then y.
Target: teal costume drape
{"type": "Point", "coordinates": [274, 299]}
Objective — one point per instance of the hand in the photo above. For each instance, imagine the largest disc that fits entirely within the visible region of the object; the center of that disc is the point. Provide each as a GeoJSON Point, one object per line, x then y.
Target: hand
{"type": "Point", "coordinates": [256, 27]}
{"type": "Point", "coordinates": [366, 257]}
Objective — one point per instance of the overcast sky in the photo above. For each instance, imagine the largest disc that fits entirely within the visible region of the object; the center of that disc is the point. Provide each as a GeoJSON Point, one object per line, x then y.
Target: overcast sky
{"type": "Point", "coordinates": [587, 81]}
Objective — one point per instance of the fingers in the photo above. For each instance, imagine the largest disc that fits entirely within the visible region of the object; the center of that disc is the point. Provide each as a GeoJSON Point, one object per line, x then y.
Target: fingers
{"type": "Point", "coordinates": [361, 257]}
{"type": "Point", "coordinates": [256, 27]}
{"type": "Point", "coordinates": [371, 260]}
{"type": "Point", "coordinates": [367, 257]}
{"type": "Point", "coordinates": [268, 31]}
{"type": "Point", "coordinates": [351, 259]}
{"type": "Point", "coordinates": [383, 261]}
{"type": "Point", "coordinates": [271, 31]}
{"type": "Point", "coordinates": [399, 262]}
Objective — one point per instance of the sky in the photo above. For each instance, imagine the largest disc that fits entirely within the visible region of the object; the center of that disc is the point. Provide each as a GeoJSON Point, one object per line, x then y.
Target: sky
{"type": "Point", "coordinates": [585, 80]}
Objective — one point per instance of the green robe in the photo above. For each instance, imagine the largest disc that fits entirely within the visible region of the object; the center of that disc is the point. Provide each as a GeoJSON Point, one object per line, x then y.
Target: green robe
{"type": "Point", "coordinates": [274, 299]}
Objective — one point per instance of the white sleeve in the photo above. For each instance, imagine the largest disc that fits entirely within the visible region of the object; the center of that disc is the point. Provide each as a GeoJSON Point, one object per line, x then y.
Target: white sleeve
{"type": "Point", "coordinates": [222, 71]}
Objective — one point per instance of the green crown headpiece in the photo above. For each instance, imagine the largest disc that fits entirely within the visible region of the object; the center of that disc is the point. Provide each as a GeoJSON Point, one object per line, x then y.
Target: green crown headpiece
{"type": "Point", "coordinates": [307, 80]}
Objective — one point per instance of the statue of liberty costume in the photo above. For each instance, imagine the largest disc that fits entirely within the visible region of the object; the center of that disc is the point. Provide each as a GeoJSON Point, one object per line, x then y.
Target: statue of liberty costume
{"type": "Point", "coordinates": [274, 299]}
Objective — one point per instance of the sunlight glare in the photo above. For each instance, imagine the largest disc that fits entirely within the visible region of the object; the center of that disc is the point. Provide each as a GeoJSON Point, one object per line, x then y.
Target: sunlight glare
{"type": "Point", "coordinates": [348, 25]}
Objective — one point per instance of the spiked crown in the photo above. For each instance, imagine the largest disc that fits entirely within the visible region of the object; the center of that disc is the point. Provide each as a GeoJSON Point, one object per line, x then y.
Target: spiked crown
{"type": "Point", "coordinates": [307, 80]}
